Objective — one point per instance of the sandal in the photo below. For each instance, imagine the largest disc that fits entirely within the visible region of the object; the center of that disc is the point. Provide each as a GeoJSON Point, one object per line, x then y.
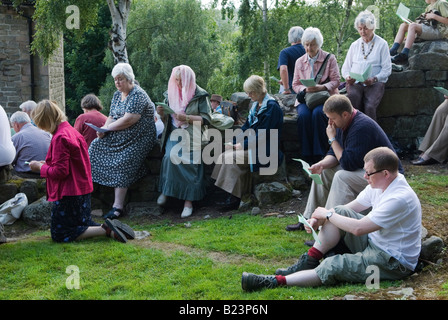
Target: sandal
{"type": "Point", "coordinates": [110, 227]}
{"type": "Point", "coordinates": [111, 214]}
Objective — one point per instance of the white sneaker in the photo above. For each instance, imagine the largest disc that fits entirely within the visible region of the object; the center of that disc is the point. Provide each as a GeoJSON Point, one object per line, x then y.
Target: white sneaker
{"type": "Point", "coordinates": [186, 212]}
{"type": "Point", "coordinates": [161, 200]}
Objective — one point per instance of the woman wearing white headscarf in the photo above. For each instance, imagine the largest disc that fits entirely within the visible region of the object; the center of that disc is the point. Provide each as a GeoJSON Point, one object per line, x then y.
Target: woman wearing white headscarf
{"type": "Point", "coordinates": [181, 176]}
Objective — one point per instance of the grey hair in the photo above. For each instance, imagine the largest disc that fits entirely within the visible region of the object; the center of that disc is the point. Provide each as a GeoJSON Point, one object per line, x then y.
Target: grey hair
{"type": "Point", "coordinates": [295, 34]}
{"type": "Point", "coordinates": [124, 69]}
{"type": "Point", "coordinates": [365, 18]}
{"type": "Point", "coordinates": [20, 117]}
{"type": "Point", "coordinates": [311, 34]}
{"type": "Point", "coordinates": [28, 106]}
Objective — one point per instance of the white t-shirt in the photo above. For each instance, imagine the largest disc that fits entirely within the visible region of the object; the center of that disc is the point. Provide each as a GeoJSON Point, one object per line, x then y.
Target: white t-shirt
{"type": "Point", "coordinates": [398, 212]}
{"type": "Point", "coordinates": [7, 149]}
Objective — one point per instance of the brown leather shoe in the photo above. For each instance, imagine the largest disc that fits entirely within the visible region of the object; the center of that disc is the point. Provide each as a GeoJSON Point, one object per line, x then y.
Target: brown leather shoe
{"type": "Point", "coordinates": [295, 227]}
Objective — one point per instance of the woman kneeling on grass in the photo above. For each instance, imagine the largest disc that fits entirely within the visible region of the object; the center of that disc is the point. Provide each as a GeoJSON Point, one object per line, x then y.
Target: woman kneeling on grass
{"type": "Point", "coordinates": [69, 181]}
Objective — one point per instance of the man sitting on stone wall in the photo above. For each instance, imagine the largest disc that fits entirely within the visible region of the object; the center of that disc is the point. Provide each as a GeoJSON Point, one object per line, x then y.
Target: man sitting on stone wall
{"type": "Point", "coordinates": [31, 143]}
{"type": "Point", "coordinates": [351, 134]}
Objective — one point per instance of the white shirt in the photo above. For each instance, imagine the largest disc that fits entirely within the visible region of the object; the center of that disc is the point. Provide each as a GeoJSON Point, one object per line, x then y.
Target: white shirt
{"type": "Point", "coordinates": [379, 58]}
{"type": "Point", "coordinates": [7, 149]}
{"type": "Point", "coordinates": [398, 212]}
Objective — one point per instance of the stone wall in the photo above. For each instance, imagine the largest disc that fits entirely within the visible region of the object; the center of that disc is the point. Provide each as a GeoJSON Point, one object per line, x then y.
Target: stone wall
{"type": "Point", "coordinates": [15, 79]}
{"type": "Point", "coordinates": [24, 76]}
{"type": "Point", "coordinates": [410, 99]}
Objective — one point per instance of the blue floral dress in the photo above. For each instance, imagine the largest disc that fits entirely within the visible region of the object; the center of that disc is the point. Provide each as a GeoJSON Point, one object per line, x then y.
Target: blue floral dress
{"type": "Point", "coordinates": [118, 158]}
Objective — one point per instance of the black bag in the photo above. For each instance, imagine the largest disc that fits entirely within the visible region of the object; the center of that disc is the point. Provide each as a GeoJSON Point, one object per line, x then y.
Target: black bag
{"type": "Point", "coordinates": [421, 19]}
{"type": "Point", "coordinates": [230, 109]}
{"type": "Point", "coordinates": [314, 99]}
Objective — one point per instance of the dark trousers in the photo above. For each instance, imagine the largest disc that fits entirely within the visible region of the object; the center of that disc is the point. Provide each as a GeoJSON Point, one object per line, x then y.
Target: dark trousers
{"type": "Point", "coordinates": [313, 138]}
{"type": "Point", "coordinates": [366, 98]}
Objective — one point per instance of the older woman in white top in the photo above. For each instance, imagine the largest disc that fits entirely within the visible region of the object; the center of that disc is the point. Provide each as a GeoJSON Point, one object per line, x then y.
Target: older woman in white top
{"type": "Point", "coordinates": [7, 150]}
{"type": "Point", "coordinates": [369, 51]}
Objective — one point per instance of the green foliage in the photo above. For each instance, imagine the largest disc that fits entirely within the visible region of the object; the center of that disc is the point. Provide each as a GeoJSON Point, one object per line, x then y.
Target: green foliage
{"type": "Point", "coordinates": [165, 33]}
{"type": "Point", "coordinates": [85, 69]}
{"type": "Point", "coordinates": [51, 22]}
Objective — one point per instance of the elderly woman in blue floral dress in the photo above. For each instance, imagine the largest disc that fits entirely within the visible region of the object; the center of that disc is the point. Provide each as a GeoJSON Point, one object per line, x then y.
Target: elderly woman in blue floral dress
{"type": "Point", "coordinates": [118, 155]}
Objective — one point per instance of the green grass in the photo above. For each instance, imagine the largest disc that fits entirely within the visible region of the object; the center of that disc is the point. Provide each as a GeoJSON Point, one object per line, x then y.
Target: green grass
{"type": "Point", "coordinates": [431, 188]}
{"type": "Point", "coordinates": [188, 268]}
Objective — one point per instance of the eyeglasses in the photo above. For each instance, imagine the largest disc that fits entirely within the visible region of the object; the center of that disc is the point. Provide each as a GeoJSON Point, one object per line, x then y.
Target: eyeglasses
{"type": "Point", "coordinates": [369, 174]}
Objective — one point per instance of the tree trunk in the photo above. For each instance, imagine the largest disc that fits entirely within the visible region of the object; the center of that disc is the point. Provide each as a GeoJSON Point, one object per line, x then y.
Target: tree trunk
{"type": "Point", "coordinates": [343, 29]}
{"type": "Point", "coordinates": [266, 58]}
{"type": "Point", "coordinates": [117, 43]}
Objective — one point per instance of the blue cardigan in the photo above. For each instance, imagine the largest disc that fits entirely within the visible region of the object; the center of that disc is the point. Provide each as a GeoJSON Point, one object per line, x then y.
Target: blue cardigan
{"type": "Point", "coordinates": [271, 118]}
{"type": "Point", "coordinates": [362, 135]}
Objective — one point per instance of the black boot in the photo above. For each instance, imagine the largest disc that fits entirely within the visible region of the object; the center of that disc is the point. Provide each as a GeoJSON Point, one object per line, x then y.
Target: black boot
{"type": "Point", "coordinates": [230, 203]}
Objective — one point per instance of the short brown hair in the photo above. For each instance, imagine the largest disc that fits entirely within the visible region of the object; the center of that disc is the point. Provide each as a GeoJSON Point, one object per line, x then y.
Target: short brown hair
{"type": "Point", "coordinates": [91, 101]}
{"type": "Point", "coordinates": [383, 158]}
{"type": "Point", "coordinates": [47, 115]}
{"type": "Point", "coordinates": [338, 104]}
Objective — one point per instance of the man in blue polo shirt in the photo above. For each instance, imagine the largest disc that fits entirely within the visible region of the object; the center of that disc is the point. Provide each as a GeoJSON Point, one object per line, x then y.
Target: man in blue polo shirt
{"type": "Point", "coordinates": [288, 57]}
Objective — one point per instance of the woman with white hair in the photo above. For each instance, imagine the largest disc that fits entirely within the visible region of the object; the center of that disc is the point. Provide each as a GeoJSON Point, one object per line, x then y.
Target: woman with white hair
{"type": "Point", "coordinates": [312, 121]}
{"type": "Point", "coordinates": [369, 57]}
{"type": "Point", "coordinates": [118, 155]}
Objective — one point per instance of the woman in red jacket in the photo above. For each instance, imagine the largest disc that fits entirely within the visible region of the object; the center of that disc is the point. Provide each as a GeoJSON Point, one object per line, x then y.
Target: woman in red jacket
{"type": "Point", "coordinates": [69, 181]}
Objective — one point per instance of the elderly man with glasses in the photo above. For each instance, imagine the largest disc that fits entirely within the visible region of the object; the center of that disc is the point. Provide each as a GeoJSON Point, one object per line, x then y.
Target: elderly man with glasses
{"type": "Point", "coordinates": [383, 245]}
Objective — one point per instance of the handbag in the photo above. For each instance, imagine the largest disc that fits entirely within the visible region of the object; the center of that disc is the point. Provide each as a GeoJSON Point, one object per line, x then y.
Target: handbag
{"type": "Point", "coordinates": [314, 99]}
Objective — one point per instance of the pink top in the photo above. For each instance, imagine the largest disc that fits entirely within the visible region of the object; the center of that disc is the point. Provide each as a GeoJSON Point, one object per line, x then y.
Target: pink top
{"type": "Point", "coordinates": [67, 166]}
{"type": "Point", "coordinates": [330, 78]}
{"type": "Point", "coordinates": [95, 117]}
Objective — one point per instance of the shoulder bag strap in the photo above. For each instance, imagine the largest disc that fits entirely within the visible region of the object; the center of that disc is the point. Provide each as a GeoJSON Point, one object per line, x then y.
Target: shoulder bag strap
{"type": "Point", "coordinates": [321, 70]}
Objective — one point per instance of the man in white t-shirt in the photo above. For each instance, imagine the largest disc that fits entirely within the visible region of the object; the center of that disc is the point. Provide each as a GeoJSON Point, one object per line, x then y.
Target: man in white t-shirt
{"type": "Point", "coordinates": [385, 243]}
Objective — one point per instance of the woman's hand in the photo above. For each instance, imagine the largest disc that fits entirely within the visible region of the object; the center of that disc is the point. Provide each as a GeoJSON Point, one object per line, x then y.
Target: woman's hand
{"type": "Point", "coordinates": [100, 134]}
{"type": "Point", "coordinates": [317, 88]}
{"type": "Point", "coordinates": [350, 80]}
{"type": "Point", "coordinates": [35, 166]}
{"type": "Point", "coordinates": [370, 81]}
{"type": "Point", "coordinates": [180, 116]}
{"type": "Point", "coordinates": [160, 111]}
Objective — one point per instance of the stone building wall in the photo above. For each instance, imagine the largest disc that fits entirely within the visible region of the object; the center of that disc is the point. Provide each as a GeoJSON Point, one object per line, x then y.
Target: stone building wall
{"type": "Point", "coordinates": [24, 76]}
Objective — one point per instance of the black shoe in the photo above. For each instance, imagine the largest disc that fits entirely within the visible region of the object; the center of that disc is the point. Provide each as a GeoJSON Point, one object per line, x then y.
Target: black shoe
{"type": "Point", "coordinates": [230, 203]}
{"type": "Point", "coordinates": [295, 227]}
{"type": "Point", "coordinates": [110, 227]}
{"type": "Point", "coordinates": [124, 228]}
{"type": "Point", "coordinates": [422, 162]}
{"type": "Point", "coordinates": [400, 58]}
{"type": "Point", "coordinates": [112, 214]}
{"type": "Point", "coordinates": [305, 262]}
{"type": "Point", "coordinates": [252, 282]}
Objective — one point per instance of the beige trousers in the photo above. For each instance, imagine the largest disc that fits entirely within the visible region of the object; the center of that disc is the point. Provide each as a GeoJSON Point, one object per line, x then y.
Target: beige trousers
{"type": "Point", "coordinates": [435, 142]}
{"type": "Point", "coordinates": [339, 188]}
{"type": "Point", "coordinates": [232, 172]}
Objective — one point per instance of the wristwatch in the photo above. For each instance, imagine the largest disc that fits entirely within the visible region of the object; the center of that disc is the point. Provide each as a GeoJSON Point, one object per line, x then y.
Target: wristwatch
{"type": "Point", "coordinates": [329, 214]}
{"type": "Point", "coordinates": [330, 141]}
{"type": "Point", "coordinates": [375, 79]}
